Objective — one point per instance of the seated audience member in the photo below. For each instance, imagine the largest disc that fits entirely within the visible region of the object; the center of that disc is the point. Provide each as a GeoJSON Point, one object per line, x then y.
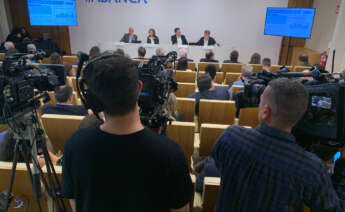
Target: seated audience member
{"type": "Point", "coordinates": [64, 99]}
{"type": "Point", "coordinates": [6, 46]}
{"type": "Point", "coordinates": [31, 48]}
{"type": "Point", "coordinates": [26, 36]}
{"type": "Point", "coordinates": [160, 52]}
{"type": "Point", "coordinates": [55, 58]}
{"type": "Point", "coordinates": [266, 64]}
{"type": "Point", "coordinates": [183, 65]}
{"type": "Point", "coordinates": [120, 52]}
{"type": "Point", "coordinates": [152, 38]}
{"type": "Point", "coordinates": [138, 151]}
{"type": "Point", "coordinates": [247, 71]}
{"type": "Point", "coordinates": [209, 57]}
{"type": "Point", "coordinates": [183, 54]}
{"type": "Point", "coordinates": [129, 37]}
{"type": "Point", "coordinates": [212, 71]}
{"type": "Point", "coordinates": [178, 38]}
{"type": "Point", "coordinates": [94, 52]}
{"type": "Point", "coordinates": [15, 36]}
{"type": "Point", "coordinates": [141, 53]}
{"type": "Point", "coordinates": [207, 90]}
{"type": "Point", "coordinates": [207, 40]}
{"type": "Point", "coordinates": [303, 60]}
{"type": "Point", "coordinates": [171, 109]}
{"type": "Point", "coordinates": [266, 163]}
{"type": "Point", "coordinates": [255, 59]}
{"type": "Point", "coordinates": [233, 57]}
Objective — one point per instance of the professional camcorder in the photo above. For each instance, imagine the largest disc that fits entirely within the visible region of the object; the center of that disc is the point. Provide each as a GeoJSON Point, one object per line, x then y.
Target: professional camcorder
{"type": "Point", "coordinates": [158, 84]}
{"type": "Point", "coordinates": [20, 82]}
{"type": "Point", "coordinates": [324, 119]}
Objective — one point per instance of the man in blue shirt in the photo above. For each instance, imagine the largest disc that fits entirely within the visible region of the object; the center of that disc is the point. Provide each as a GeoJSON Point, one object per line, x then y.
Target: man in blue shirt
{"type": "Point", "coordinates": [246, 72]}
{"type": "Point", "coordinates": [263, 169]}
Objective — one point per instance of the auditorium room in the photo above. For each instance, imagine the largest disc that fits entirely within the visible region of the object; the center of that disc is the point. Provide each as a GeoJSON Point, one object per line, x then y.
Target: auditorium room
{"type": "Point", "coordinates": [172, 106]}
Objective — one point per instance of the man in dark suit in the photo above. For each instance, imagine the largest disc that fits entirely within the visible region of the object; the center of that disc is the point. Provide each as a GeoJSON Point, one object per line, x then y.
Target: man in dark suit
{"type": "Point", "coordinates": [207, 40]}
{"type": "Point", "coordinates": [64, 98]}
{"type": "Point", "coordinates": [209, 57]}
{"type": "Point", "coordinates": [129, 37]}
{"type": "Point", "coordinates": [178, 38]}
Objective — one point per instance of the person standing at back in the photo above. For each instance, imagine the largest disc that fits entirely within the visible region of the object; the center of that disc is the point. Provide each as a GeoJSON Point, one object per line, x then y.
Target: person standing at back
{"type": "Point", "coordinates": [121, 165]}
{"type": "Point", "coordinates": [266, 64]}
{"type": "Point", "coordinates": [264, 169]}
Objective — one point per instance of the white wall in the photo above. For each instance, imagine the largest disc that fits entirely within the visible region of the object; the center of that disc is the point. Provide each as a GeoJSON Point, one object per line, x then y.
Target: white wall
{"type": "Point", "coordinates": [4, 22]}
{"type": "Point", "coordinates": [239, 24]}
{"type": "Point", "coordinates": [324, 24]}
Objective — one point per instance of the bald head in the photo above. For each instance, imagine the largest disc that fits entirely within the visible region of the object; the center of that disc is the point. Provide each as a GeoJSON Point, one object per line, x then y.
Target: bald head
{"type": "Point", "coordinates": [131, 30]}
{"type": "Point", "coordinates": [9, 45]}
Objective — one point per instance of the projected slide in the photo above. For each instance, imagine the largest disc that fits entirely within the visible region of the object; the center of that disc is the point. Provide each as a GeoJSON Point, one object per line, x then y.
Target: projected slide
{"type": "Point", "coordinates": [290, 22]}
{"type": "Point", "coordinates": [52, 12]}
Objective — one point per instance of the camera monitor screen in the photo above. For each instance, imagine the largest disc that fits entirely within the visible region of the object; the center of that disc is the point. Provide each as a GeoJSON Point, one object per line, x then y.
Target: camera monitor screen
{"type": "Point", "coordinates": [322, 110]}
{"type": "Point", "coordinates": [290, 22]}
{"type": "Point", "coordinates": [321, 102]}
{"type": "Point", "coordinates": [52, 12]}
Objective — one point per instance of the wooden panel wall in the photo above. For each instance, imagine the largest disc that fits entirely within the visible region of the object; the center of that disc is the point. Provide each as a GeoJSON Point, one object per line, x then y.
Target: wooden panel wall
{"type": "Point", "coordinates": [294, 42]}
{"type": "Point", "coordinates": [20, 17]}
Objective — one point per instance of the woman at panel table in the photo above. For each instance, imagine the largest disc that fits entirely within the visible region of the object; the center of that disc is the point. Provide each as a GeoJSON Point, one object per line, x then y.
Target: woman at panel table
{"type": "Point", "coordinates": [152, 38]}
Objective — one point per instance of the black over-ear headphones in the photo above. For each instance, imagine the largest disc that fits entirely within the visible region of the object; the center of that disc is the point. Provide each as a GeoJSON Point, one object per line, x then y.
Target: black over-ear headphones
{"type": "Point", "coordinates": [89, 99]}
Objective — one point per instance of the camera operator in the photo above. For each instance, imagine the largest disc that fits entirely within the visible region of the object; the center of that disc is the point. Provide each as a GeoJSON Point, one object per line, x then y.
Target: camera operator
{"type": "Point", "coordinates": [122, 166]}
{"type": "Point", "coordinates": [263, 169]}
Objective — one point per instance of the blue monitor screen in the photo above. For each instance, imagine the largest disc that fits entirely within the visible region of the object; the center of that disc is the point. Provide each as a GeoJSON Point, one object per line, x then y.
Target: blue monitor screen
{"type": "Point", "coordinates": [52, 12]}
{"type": "Point", "coordinates": [290, 22]}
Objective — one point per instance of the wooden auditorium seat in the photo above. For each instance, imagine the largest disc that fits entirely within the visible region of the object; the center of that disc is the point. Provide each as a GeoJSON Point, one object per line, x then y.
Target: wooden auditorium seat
{"type": "Point", "coordinates": [74, 83]}
{"type": "Point", "coordinates": [231, 68]}
{"type": "Point", "coordinates": [141, 60]}
{"type": "Point", "coordinates": [301, 68]}
{"type": "Point", "coordinates": [219, 76]}
{"type": "Point", "coordinates": [3, 127]}
{"type": "Point", "coordinates": [0, 63]}
{"type": "Point", "coordinates": [183, 134]}
{"type": "Point", "coordinates": [210, 193]}
{"type": "Point", "coordinates": [202, 66]}
{"type": "Point", "coordinates": [185, 76]}
{"type": "Point", "coordinates": [235, 88]}
{"type": "Point", "coordinates": [186, 107]}
{"type": "Point", "coordinates": [275, 68]}
{"type": "Point", "coordinates": [46, 60]}
{"type": "Point", "coordinates": [52, 100]}
{"type": "Point", "coordinates": [2, 56]}
{"type": "Point", "coordinates": [209, 134]}
{"type": "Point", "coordinates": [59, 128]}
{"type": "Point", "coordinates": [231, 78]}
{"type": "Point", "coordinates": [184, 89]}
{"type": "Point", "coordinates": [217, 112]}
{"type": "Point", "coordinates": [70, 60]}
{"type": "Point", "coordinates": [256, 67]}
{"type": "Point", "coordinates": [249, 117]}
{"type": "Point", "coordinates": [191, 65]}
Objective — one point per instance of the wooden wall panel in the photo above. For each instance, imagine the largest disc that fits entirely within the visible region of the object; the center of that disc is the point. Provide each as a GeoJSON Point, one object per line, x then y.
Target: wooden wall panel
{"type": "Point", "coordinates": [20, 17]}
{"type": "Point", "coordinates": [294, 42]}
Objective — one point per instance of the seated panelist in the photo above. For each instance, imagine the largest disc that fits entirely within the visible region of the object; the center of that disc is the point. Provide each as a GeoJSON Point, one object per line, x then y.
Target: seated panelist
{"type": "Point", "coordinates": [207, 40]}
{"type": "Point", "coordinates": [152, 38]}
{"type": "Point", "coordinates": [129, 37]}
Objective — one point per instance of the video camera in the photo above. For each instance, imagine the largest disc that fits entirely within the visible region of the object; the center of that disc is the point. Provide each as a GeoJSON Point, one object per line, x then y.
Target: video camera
{"type": "Point", "coordinates": [324, 119]}
{"type": "Point", "coordinates": [20, 82]}
{"type": "Point", "coordinates": [158, 84]}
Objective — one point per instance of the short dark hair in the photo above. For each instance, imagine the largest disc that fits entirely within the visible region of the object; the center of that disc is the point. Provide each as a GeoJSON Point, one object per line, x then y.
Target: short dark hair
{"type": "Point", "coordinates": [182, 64]}
{"type": "Point", "coordinates": [234, 55]}
{"type": "Point", "coordinates": [304, 58]}
{"type": "Point", "coordinates": [266, 62]}
{"type": "Point", "coordinates": [177, 28]}
{"type": "Point", "coordinates": [141, 51]}
{"type": "Point", "coordinates": [204, 82]}
{"type": "Point", "coordinates": [120, 52]}
{"type": "Point", "coordinates": [94, 52]}
{"type": "Point", "coordinates": [63, 93]}
{"type": "Point", "coordinates": [288, 100]}
{"type": "Point", "coordinates": [55, 58]}
{"type": "Point", "coordinates": [207, 31]}
{"type": "Point", "coordinates": [114, 82]}
{"type": "Point", "coordinates": [209, 55]}
{"type": "Point", "coordinates": [211, 70]}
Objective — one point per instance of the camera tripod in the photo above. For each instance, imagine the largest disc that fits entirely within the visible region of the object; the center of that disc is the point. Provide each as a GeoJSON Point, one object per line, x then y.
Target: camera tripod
{"type": "Point", "coordinates": [28, 135]}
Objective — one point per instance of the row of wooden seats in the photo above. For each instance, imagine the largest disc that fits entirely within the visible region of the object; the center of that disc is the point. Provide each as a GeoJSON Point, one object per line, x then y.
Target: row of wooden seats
{"type": "Point", "coordinates": [190, 77]}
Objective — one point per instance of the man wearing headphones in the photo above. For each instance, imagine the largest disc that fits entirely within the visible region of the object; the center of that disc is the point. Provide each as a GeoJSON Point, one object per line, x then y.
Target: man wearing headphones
{"type": "Point", "coordinates": [121, 165]}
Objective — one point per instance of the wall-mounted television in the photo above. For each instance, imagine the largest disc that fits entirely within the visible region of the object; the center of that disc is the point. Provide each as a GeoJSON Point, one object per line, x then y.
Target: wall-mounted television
{"type": "Point", "coordinates": [52, 12]}
{"type": "Point", "coordinates": [289, 22]}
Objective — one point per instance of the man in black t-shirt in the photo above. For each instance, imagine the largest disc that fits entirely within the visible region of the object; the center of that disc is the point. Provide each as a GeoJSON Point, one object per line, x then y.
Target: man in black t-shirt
{"type": "Point", "coordinates": [122, 166]}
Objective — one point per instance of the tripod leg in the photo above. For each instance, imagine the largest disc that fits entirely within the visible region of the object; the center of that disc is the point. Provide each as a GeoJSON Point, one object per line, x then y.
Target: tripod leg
{"type": "Point", "coordinates": [13, 173]}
